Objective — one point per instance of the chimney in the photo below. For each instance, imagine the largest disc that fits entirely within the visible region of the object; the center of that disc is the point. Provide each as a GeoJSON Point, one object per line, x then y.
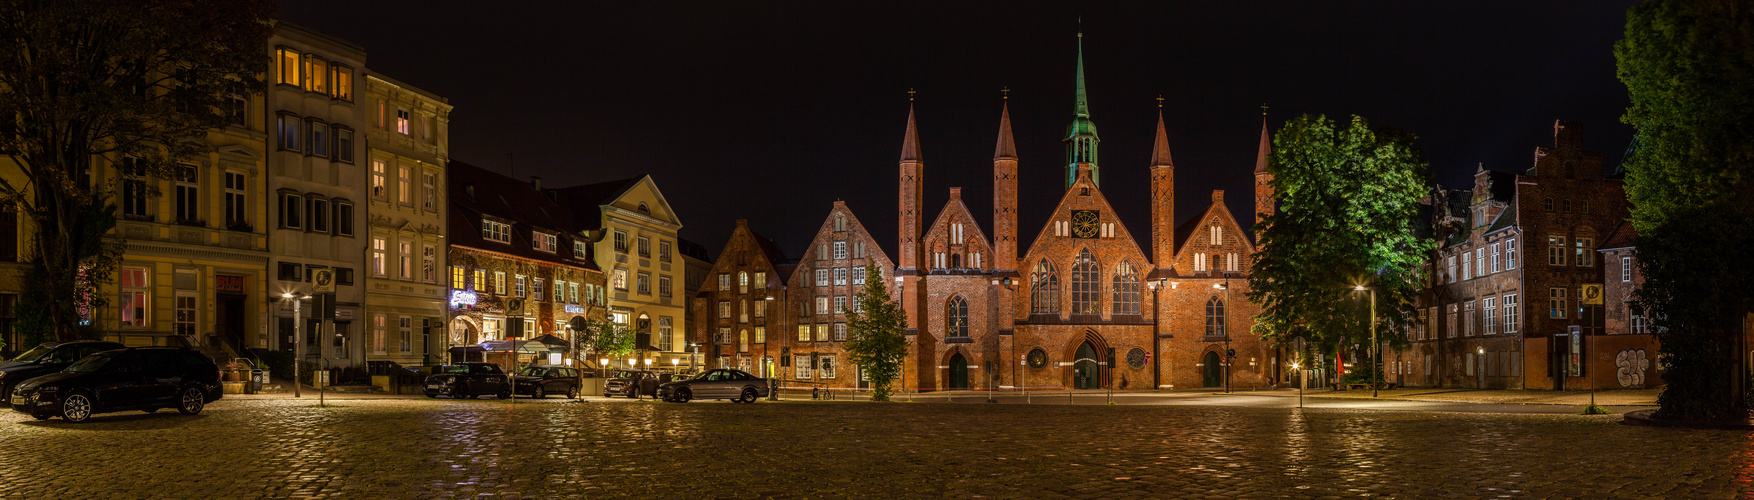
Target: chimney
{"type": "Point", "coordinates": [536, 182]}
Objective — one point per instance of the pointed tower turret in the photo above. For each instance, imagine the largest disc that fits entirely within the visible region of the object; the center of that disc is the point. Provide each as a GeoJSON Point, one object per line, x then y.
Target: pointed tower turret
{"type": "Point", "coordinates": [1005, 195]}
{"type": "Point", "coordinates": [912, 181]}
{"type": "Point", "coordinates": [1162, 198]}
{"type": "Point", "coordinates": [1081, 139]}
{"type": "Point", "coordinates": [1263, 179]}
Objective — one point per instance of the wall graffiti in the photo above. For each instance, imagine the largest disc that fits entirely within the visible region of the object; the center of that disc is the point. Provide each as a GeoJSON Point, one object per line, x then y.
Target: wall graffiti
{"type": "Point", "coordinates": [1632, 363]}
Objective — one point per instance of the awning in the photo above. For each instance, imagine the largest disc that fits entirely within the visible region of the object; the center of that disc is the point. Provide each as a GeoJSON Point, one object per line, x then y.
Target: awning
{"type": "Point", "coordinates": [521, 346]}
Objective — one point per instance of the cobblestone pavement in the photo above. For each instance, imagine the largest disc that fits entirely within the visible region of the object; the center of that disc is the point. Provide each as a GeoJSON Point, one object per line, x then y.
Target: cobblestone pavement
{"type": "Point", "coordinates": [400, 448]}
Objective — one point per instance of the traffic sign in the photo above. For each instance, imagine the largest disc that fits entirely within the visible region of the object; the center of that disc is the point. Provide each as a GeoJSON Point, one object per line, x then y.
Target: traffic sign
{"type": "Point", "coordinates": [1592, 294]}
{"type": "Point", "coordinates": [322, 281]}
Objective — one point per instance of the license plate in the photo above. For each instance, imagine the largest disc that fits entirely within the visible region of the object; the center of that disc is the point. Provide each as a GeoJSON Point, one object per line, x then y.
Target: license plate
{"type": "Point", "coordinates": [435, 386]}
{"type": "Point", "coordinates": [18, 401]}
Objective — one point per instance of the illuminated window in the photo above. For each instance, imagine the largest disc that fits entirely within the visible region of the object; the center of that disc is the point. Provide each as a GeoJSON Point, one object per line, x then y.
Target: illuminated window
{"type": "Point", "coordinates": [402, 121]}
{"type": "Point", "coordinates": [956, 317]}
{"type": "Point", "coordinates": [1126, 289]}
{"type": "Point", "coordinates": [1085, 284]}
{"type": "Point", "coordinates": [379, 190]}
{"type": "Point", "coordinates": [343, 88]}
{"type": "Point", "coordinates": [316, 74]}
{"type": "Point", "coordinates": [289, 67]}
{"type": "Point", "coordinates": [378, 249]}
{"type": "Point", "coordinates": [135, 296]}
{"type": "Point", "coordinates": [404, 185]}
{"type": "Point", "coordinates": [1044, 289]}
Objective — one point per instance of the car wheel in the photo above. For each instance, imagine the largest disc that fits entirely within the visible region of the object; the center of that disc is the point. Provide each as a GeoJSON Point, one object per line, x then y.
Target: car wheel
{"type": "Point", "coordinates": [192, 401]}
{"type": "Point", "coordinates": [506, 394]}
{"type": "Point", "coordinates": [683, 395]}
{"type": "Point", "coordinates": [76, 408]}
{"type": "Point", "coordinates": [462, 391]}
{"type": "Point", "coordinates": [633, 393]}
{"type": "Point", "coordinates": [572, 393]}
{"type": "Point", "coordinates": [748, 396]}
{"type": "Point", "coordinates": [538, 393]}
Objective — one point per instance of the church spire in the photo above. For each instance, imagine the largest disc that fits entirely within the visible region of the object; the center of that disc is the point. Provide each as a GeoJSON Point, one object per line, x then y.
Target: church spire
{"type": "Point", "coordinates": [1266, 144]}
{"type": "Point", "coordinates": [910, 144]}
{"type": "Point", "coordinates": [1081, 136]}
{"type": "Point", "coordinates": [1160, 150]}
{"type": "Point", "coordinates": [1007, 148]}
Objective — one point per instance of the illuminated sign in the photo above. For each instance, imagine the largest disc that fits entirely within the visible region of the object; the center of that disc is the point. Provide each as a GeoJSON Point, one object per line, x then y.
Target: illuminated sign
{"type": "Point", "coordinates": [229, 284]}
{"type": "Point", "coordinates": [462, 298]}
{"type": "Point", "coordinates": [574, 309]}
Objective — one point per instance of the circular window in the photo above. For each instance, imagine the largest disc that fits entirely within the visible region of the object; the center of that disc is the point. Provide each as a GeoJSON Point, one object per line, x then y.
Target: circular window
{"type": "Point", "coordinates": [1136, 358]}
{"type": "Point", "coordinates": [1038, 358]}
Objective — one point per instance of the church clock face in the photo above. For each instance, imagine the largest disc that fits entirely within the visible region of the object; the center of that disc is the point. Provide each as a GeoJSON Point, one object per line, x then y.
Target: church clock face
{"type": "Point", "coordinates": [1086, 224]}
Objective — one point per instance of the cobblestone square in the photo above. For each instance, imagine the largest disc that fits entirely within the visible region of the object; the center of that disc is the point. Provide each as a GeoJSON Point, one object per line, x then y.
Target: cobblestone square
{"type": "Point", "coordinates": [401, 448]}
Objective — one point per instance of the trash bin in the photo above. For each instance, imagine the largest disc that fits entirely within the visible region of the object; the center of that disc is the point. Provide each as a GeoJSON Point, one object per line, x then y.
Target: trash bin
{"type": "Point", "coordinates": [257, 378]}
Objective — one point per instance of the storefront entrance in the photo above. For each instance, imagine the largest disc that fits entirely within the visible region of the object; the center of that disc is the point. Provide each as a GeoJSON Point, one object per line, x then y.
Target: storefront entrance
{"type": "Point", "coordinates": [1086, 369]}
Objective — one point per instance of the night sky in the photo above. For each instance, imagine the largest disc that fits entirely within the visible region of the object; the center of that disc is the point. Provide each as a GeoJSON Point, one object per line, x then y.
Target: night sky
{"type": "Point", "coordinates": [770, 111]}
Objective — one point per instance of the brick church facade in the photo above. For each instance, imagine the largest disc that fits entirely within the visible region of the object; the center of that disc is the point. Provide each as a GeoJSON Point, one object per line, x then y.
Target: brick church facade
{"type": "Point", "coordinates": [1087, 305]}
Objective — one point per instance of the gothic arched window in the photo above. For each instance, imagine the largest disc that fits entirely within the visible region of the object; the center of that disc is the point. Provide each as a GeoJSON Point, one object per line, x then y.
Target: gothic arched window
{"type": "Point", "coordinates": [1126, 289]}
{"type": "Point", "coordinates": [956, 317]}
{"type": "Point", "coordinates": [1215, 318]}
{"type": "Point", "coordinates": [1044, 289]}
{"type": "Point", "coordinates": [1086, 287]}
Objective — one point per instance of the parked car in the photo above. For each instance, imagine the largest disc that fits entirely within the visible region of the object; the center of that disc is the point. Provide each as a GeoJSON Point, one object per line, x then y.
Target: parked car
{"type": "Point", "coordinates": [468, 380]}
{"type": "Point", "coordinates": [735, 385]}
{"type": "Point", "coordinates": [48, 358]}
{"type": "Point", "coordinates": [540, 381]}
{"type": "Point", "coordinates": [138, 378]}
{"type": "Point", "coordinates": [631, 383]}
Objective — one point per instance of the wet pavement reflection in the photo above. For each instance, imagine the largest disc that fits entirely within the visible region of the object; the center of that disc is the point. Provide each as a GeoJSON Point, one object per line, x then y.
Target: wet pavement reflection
{"type": "Point", "coordinates": [592, 449]}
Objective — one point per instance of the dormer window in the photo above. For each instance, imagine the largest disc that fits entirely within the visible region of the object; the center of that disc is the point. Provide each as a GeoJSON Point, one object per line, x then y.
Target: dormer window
{"type": "Point", "coordinates": [543, 241]}
{"type": "Point", "coordinates": [496, 231]}
{"type": "Point", "coordinates": [644, 209]}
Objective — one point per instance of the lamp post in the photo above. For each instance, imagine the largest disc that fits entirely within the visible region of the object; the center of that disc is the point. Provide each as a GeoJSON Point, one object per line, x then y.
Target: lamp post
{"type": "Point", "coordinates": [1300, 380]}
{"type": "Point", "coordinates": [603, 365]}
{"type": "Point", "coordinates": [1375, 349]}
{"type": "Point", "coordinates": [297, 338]}
{"type": "Point", "coordinates": [1225, 319]}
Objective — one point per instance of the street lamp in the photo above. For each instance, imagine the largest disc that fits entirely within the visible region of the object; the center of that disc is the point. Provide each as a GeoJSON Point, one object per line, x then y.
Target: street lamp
{"type": "Point", "coordinates": [1301, 378]}
{"type": "Point", "coordinates": [1226, 325]}
{"type": "Point", "coordinates": [297, 338]}
{"type": "Point", "coordinates": [603, 365]}
{"type": "Point", "coordinates": [1375, 349]}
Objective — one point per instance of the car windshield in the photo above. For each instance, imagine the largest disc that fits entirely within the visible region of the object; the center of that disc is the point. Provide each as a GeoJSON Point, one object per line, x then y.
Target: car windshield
{"type": "Point", "coordinates": [627, 374]}
{"type": "Point", "coordinates": [33, 354]}
{"type": "Point", "coordinates": [91, 363]}
{"type": "Point", "coordinates": [531, 371]}
{"type": "Point", "coordinates": [457, 369]}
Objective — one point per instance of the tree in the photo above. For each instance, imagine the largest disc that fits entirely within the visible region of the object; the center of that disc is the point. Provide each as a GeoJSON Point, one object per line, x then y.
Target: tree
{"type": "Point", "coordinates": [1348, 209]}
{"type": "Point", "coordinates": [876, 343]}
{"type": "Point", "coordinates": [1687, 65]}
{"type": "Point", "coordinates": [84, 80]}
{"type": "Point", "coordinates": [606, 337]}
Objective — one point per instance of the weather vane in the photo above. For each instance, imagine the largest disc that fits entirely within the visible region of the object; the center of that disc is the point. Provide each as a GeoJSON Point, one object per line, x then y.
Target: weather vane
{"type": "Point", "coordinates": [910, 94]}
{"type": "Point", "coordinates": [1006, 91]}
{"type": "Point", "coordinates": [1263, 110]}
{"type": "Point", "coordinates": [1159, 101]}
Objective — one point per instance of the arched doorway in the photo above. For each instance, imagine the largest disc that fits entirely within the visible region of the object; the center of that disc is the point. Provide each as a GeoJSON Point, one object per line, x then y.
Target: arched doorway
{"type": "Point", "coordinates": [1212, 370]}
{"type": "Point", "coordinates": [958, 372]}
{"type": "Point", "coordinates": [1086, 368]}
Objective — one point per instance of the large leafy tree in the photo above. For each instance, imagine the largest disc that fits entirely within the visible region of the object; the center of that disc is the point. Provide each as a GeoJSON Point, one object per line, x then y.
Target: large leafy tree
{"type": "Point", "coordinates": [877, 343]}
{"type": "Point", "coordinates": [605, 337]}
{"type": "Point", "coordinates": [82, 80]}
{"type": "Point", "coordinates": [1348, 212]}
{"type": "Point", "coordinates": [1687, 65]}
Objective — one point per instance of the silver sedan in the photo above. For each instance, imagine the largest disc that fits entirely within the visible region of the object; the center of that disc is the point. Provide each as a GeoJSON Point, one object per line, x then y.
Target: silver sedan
{"type": "Point", "coordinates": [735, 385]}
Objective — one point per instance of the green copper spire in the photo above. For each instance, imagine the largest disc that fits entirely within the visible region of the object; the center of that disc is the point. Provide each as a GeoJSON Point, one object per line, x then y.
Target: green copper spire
{"type": "Point", "coordinates": [1081, 136]}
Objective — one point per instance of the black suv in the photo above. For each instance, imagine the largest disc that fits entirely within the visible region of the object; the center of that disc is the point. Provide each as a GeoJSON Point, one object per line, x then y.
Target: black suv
{"type": "Point", "coordinates": [139, 378]}
{"type": "Point", "coordinates": [540, 381]}
{"type": "Point", "coordinates": [48, 358]}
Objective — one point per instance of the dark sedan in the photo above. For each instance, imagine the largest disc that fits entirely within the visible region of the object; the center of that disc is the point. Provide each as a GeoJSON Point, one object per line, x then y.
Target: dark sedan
{"type": "Point", "coordinates": [735, 385]}
{"type": "Point", "coordinates": [48, 358]}
{"type": "Point", "coordinates": [140, 378]}
{"type": "Point", "coordinates": [468, 380]}
{"type": "Point", "coordinates": [540, 381]}
{"type": "Point", "coordinates": [631, 383]}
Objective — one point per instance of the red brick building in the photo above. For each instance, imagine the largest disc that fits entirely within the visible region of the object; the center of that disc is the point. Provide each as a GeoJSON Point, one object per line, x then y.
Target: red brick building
{"type": "Point", "coordinates": [740, 309]}
{"type": "Point", "coordinates": [1507, 285]}
{"type": "Point", "coordinates": [1085, 306]}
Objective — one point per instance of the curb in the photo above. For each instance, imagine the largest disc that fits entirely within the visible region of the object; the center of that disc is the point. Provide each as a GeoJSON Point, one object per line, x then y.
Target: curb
{"type": "Point", "coordinates": [1647, 418]}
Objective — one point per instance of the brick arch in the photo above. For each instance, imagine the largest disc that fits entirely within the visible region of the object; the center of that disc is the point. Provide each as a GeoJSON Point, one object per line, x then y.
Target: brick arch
{"type": "Point", "coordinates": [944, 361]}
{"type": "Point", "coordinates": [1069, 352]}
{"type": "Point", "coordinates": [1200, 358]}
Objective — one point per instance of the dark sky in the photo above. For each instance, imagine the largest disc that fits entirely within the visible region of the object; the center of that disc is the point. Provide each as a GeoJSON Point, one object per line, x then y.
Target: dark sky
{"type": "Point", "coordinates": [770, 111]}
